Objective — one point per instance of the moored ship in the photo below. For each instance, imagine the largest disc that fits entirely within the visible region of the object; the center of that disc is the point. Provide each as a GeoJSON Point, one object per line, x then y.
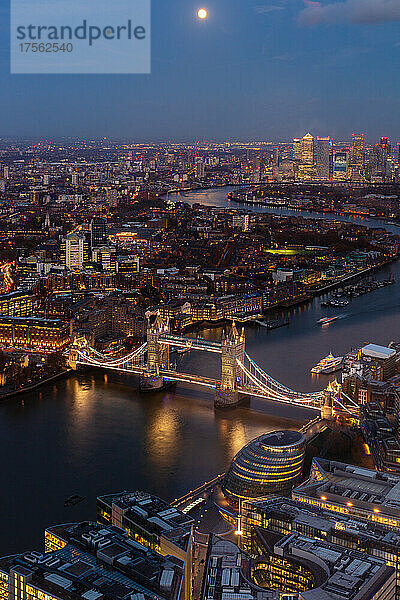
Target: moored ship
{"type": "Point", "coordinates": [329, 364]}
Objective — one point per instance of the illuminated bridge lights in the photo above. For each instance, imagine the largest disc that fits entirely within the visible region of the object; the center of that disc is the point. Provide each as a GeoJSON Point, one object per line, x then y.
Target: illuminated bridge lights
{"type": "Point", "coordinates": [250, 378]}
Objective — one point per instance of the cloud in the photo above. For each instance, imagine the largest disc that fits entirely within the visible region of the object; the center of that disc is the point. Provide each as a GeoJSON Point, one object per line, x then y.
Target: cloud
{"type": "Point", "coordinates": [362, 12]}
{"type": "Point", "coordinates": [264, 10]}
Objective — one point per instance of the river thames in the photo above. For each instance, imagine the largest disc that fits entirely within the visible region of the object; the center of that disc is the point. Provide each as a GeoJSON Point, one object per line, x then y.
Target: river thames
{"type": "Point", "coordinates": [87, 436]}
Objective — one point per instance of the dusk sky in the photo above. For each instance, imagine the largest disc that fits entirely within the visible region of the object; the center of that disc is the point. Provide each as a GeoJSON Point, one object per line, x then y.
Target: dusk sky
{"type": "Point", "coordinates": [254, 70]}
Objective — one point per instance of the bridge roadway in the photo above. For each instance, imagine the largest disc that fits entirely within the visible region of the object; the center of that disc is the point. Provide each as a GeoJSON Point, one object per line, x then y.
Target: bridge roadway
{"type": "Point", "coordinates": [306, 401]}
{"type": "Point", "coordinates": [169, 375]}
{"type": "Point", "coordinates": [188, 378]}
{"type": "Point", "coordinates": [247, 377]}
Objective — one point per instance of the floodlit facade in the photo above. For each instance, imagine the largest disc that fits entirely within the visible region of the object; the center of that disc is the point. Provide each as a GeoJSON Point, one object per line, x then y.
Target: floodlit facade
{"type": "Point", "coordinates": [349, 490]}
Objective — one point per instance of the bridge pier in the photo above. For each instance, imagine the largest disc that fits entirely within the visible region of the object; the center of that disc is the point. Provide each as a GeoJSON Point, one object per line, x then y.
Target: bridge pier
{"type": "Point", "coordinates": [226, 398]}
{"type": "Point", "coordinates": [151, 382]}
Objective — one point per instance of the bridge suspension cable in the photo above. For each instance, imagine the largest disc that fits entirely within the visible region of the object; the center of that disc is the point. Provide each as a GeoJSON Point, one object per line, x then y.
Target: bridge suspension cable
{"type": "Point", "coordinates": [262, 378]}
{"type": "Point", "coordinates": [102, 361]}
{"type": "Point", "coordinates": [265, 391]}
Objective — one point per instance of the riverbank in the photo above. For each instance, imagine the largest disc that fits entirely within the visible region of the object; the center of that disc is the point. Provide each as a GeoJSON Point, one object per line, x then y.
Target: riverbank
{"type": "Point", "coordinates": [287, 204]}
{"type": "Point", "coordinates": [352, 276]}
{"type": "Point", "coordinates": [34, 386]}
{"type": "Point", "coordinates": [218, 198]}
{"type": "Point", "coordinates": [289, 304]}
{"type": "Point", "coordinates": [199, 188]}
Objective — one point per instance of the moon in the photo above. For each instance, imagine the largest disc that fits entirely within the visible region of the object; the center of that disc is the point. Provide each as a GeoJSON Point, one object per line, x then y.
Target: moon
{"type": "Point", "coordinates": [202, 14]}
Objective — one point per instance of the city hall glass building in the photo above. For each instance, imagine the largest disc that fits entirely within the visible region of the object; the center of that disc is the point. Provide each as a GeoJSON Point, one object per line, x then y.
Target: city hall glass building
{"type": "Point", "coordinates": [269, 464]}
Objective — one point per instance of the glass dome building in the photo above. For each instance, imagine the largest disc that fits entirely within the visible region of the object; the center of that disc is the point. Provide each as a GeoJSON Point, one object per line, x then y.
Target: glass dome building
{"type": "Point", "coordinates": [269, 464]}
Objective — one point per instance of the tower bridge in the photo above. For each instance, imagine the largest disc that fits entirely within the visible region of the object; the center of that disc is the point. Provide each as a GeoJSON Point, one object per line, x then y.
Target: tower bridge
{"type": "Point", "coordinates": [241, 376]}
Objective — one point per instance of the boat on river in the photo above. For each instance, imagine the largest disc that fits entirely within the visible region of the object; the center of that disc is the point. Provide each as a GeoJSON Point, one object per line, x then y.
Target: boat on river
{"type": "Point", "coordinates": [327, 320]}
{"type": "Point", "coordinates": [327, 365]}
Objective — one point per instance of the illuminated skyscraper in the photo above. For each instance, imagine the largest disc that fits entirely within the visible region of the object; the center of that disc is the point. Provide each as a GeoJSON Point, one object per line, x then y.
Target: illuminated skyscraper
{"type": "Point", "coordinates": [385, 145]}
{"type": "Point", "coordinates": [200, 171]}
{"type": "Point", "coordinates": [340, 165]}
{"type": "Point", "coordinates": [297, 149]}
{"type": "Point", "coordinates": [378, 158]}
{"type": "Point", "coordinates": [323, 157]}
{"type": "Point", "coordinates": [307, 149]}
{"type": "Point", "coordinates": [75, 250]}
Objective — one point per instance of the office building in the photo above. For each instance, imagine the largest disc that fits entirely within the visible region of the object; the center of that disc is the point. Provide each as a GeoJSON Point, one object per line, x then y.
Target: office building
{"type": "Point", "coordinates": [381, 437]}
{"type": "Point", "coordinates": [106, 256]}
{"type": "Point", "coordinates": [357, 154]}
{"type": "Point", "coordinates": [284, 516]}
{"type": "Point", "coordinates": [270, 464]}
{"type": "Point", "coordinates": [366, 372]}
{"type": "Point", "coordinates": [75, 251]}
{"type": "Point", "coordinates": [307, 149]}
{"type": "Point", "coordinates": [294, 567]}
{"type": "Point", "coordinates": [226, 574]}
{"type": "Point", "coordinates": [377, 160]}
{"type": "Point", "coordinates": [98, 232]}
{"type": "Point", "coordinates": [200, 172]}
{"type": "Point", "coordinates": [127, 265]}
{"type": "Point", "coordinates": [153, 523]}
{"type": "Point", "coordinates": [349, 490]}
{"type": "Point", "coordinates": [309, 568]}
{"type": "Point", "coordinates": [323, 157]}
{"type": "Point", "coordinates": [85, 561]}
{"type": "Point", "coordinates": [297, 149]}
{"type": "Point", "coordinates": [385, 145]}
{"type": "Point", "coordinates": [340, 165]}
{"type": "Point", "coordinates": [380, 357]}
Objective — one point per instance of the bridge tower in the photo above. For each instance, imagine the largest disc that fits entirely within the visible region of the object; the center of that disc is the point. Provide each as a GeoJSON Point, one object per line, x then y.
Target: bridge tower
{"type": "Point", "coordinates": [73, 359]}
{"type": "Point", "coordinates": [327, 410]}
{"type": "Point", "coordinates": [157, 355]}
{"type": "Point", "coordinates": [233, 348]}
{"type": "Point", "coordinates": [80, 342]}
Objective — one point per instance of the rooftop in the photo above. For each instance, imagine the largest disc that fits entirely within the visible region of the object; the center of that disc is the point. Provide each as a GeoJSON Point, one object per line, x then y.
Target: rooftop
{"type": "Point", "coordinates": [153, 514]}
{"type": "Point", "coordinates": [298, 515]}
{"type": "Point", "coordinates": [34, 321]}
{"type": "Point", "coordinates": [281, 438]}
{"type": "Point", "coordinates": [338, 573]}
{"type": "Point", "coordinates": [98, 563]}
{"type": "Point", "coordinates": [375, 351]}
{"type": "Point", "coordinates": [377, 494]}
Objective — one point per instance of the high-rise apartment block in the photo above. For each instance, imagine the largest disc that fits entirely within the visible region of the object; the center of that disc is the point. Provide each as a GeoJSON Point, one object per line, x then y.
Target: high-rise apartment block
{"type": "Point", "coordinates": [75, 250]}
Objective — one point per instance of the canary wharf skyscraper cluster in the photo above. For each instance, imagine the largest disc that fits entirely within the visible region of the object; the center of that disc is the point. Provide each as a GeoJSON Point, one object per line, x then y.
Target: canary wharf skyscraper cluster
{"type": "Point", "coordinates": [320, 158]}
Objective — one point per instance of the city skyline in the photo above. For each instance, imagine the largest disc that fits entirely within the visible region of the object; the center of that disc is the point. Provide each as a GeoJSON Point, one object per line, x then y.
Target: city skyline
{"type": "Point", "coordinates": [347, 139]}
